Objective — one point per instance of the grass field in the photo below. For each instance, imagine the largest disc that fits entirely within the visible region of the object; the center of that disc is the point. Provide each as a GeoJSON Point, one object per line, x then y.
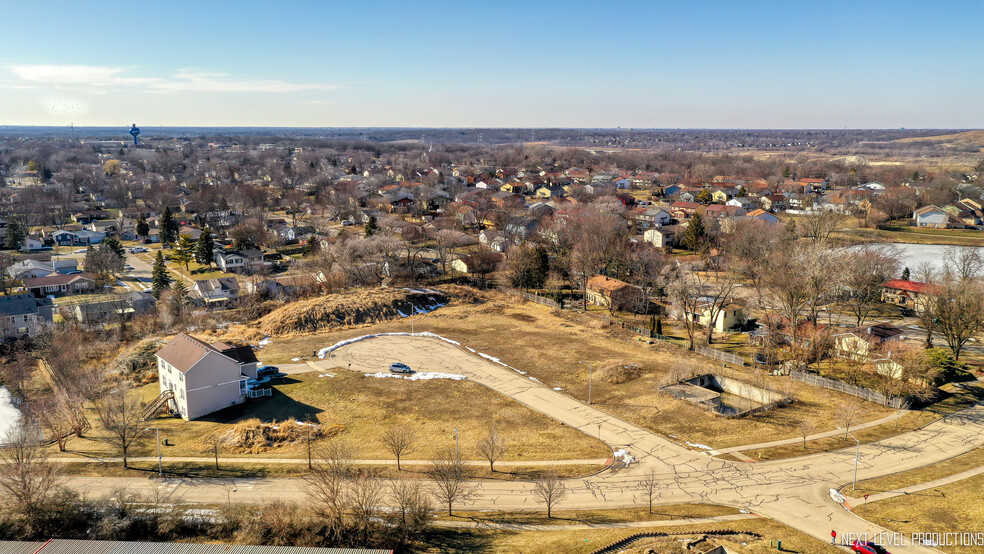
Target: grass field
{"type": "Point", "coordinates": [549, 346]}
{"type": "Point", "coordinates": [954, 508]}
{"type": "Point", "coordinates": [364, 408]}
{"type": "Point", "coordinates": [958, 464]}
{"type": "Point", "coordinates": [561, 516]}
{"type": "Point", "coordinates": [915, 235]}
{"type": "Point", "coordinates": [578, 541]}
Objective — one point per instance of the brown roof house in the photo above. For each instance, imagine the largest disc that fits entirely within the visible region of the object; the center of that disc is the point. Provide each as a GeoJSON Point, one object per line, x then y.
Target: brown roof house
{"type": "Point", "coordinates": [861, 343]}
{"type": "Point", "coordinates": [205, 377]}
{"type": "Point", "coordinates": [612, 293]}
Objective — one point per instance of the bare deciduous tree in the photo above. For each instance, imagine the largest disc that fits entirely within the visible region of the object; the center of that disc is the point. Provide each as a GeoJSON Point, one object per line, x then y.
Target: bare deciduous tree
{"type": "Point", "coordinates": [399, 440]}
{"type": "Point", "coordinates": [365, 498]}
{"type": "Point", "coordinates": [28, 480]}
{"type": "Point", "coordinates": [650, 485]}
{"type": "Point", "coordinates": [806, 428]}
{"type": "Point", "coordinates": [848, 413]}
{"type": "Point", "coordinates": [447, 472]}
{"type": "Point", "coordinates": [492, 446]}
{"type": "Point", "coordinates": [550, 489]}
{"type": "Point", "coordinates": [818, 225]}
{"type": "Point", "coordinates": [413, 507]}
{"type": "Point", "coordinates": [958, 307]}
{"type": "Point", "coordinates": [121, 412]}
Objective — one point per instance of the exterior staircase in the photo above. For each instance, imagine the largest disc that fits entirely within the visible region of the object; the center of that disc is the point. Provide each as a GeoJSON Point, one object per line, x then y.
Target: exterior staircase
{"type": "Point", "coordinates": [162, 404]}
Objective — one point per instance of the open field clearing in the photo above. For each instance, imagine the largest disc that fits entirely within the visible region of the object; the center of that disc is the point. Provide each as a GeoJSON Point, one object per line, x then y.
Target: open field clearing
{"type": "Point", "coordinates": [954, 508]}
{"type": "Point", "coordinates": [358, 410]}
{"type": "Point", "coordinates": [549, 346]}
{"type": "Point", "coordinates": [582, 540]}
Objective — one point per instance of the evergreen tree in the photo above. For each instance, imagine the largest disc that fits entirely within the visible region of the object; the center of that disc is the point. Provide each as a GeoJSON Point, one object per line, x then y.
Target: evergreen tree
{"type": "Point", "coordinates": [179, 299]}
{"type": "Point", "coordinates": [205, 248]}
{"type": "Point", "coordinates": [160, 280]}
{"type": "Point", "coordinates": [905, 274]}
{"type": "Point", "coordinates": [371, 226]}
{"type": "Point", "coordinates": [693, 238]}
{"type": "Point", "coordinates": [704, 197]}
{"type": "Point", "coordinates": [114, 244]}
{"type": "Point", "coordinates": [15, 235]}
{"type": "Point", "coordinates": [786, 172]}
{"type": "Point", "coordinates": [169, 228]}
{"type": "Point", "coordinates": [184, 252]}
{"type": "Point", "coordinates": [143, 228]}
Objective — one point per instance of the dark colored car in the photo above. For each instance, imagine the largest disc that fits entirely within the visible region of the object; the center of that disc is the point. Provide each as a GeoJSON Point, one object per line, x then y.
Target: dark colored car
{"type": "Point", "coordinates": [267, 370]}
{"type": "Point", "coordinates": [868, 548]}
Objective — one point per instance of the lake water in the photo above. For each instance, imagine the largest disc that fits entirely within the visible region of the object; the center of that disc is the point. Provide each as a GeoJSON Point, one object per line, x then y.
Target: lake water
{"type": "Point", "coordinates": [915, 254]}
{"type": "Point", "coordinates": [9, 414]}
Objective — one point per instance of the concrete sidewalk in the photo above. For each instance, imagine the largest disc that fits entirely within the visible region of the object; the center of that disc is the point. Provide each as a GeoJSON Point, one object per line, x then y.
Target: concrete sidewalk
{"type": "Point", "coordinates": [589, 526]}
{"type": "Point", "coordinates": [912, 489]}
{"type": "Point", "coordinates": [211, 460]}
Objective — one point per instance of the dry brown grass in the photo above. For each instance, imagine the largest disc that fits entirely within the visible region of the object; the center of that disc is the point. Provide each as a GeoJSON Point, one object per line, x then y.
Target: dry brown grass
{"type": "Point", "coordinates": [344, 309]}
{"type": "Point", "coordinates": [958, 464]}
{"type": "Point", "coordinates": [619, 372]}
{"type": "Point", "coordinates": [954, 508]}
{"type": "Point", "coordinates": [549, 344]}
{"type": "Point", "coordinates": [365, 407]}
{"type": "Point", "coordinates": [254, 436]}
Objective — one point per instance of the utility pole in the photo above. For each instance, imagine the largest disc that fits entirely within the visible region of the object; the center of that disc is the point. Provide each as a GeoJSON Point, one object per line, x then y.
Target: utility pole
{"type": "Point", "coordinates": [309, 444]}
{"type": "Point", "coordinates": [857, 457]}
{"type": "Point", "coordinates": [455, 443]}
{"type": "Point", "coordinates": [413, 312]}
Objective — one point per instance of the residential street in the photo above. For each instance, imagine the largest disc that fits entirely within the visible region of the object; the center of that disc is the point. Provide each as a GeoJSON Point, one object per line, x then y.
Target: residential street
{"type": "Point", "coordinates": [792, 491]}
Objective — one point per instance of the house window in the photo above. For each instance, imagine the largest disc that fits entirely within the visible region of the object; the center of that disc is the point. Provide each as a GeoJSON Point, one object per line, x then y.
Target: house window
{"type": "Point", "coordinates": [181, 393]}
{"type": "Point", "coordinates": [242, 387]}
{"type": "Point", "coordinates": [181, 376]}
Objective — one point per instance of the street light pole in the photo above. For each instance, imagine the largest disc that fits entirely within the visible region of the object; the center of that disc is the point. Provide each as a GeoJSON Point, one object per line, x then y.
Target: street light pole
{"type": "Point", "coordinates": [412, 313]}
{"type": "Point", "coordinates": [455, 443]}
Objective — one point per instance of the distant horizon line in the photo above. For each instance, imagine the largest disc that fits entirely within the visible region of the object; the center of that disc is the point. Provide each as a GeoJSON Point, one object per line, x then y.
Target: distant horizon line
{"type": "Point", "coordinates": [617, 128]}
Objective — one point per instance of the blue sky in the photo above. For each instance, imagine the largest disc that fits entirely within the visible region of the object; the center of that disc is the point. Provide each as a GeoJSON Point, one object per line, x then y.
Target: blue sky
{"type": "Point", "coordinates": [494, 64]}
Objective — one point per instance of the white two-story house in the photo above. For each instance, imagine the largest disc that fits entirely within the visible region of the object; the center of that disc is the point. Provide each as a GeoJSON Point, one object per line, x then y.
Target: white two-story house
{"type": "Point", "coordinates": [204, 377]}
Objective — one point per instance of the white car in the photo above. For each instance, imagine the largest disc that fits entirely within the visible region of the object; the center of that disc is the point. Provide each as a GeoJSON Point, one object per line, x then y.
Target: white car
{"type": "Point", "coordinates": [397, 367]}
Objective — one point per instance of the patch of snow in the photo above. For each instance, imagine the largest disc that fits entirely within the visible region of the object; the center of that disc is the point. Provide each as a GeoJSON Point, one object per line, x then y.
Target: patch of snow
{"type": "Point", "coordinates": [698, 445]}
{"type": "Point", "coordinates": [619, 453]}
{"type": "Point", "coordinates": [495, 360]}
{"type": "Point", "coordinates": [673, 436]}
{"type": "Point", "coordinates": [417, 376]}
{"type": "Point", "coordinates": [10, 416]}
{"type": "Point", "coordinates": [557, 388]}
{"type": "Point", "coordinates": [534, 379]}
{"type": "Point", "coordinates": [295, 359]}
{"type": "Point", "coordinates": [472, 350]}
{"type": "Point", "coordinates": [325, 375]}
{"type": "Point", "coordinates": [265, 341]}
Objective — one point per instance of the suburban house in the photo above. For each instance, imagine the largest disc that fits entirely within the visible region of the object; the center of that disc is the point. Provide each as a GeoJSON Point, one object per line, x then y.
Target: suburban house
{"type": "Point", "coordinates": [763, 215]}
{"type": "Point", "coordinates": [82, 237]}
{"type": "Point", "coordinates": [720, 211]}
{"type": "Point", "coordinates": [485, 263]}
{"type": "Point", "coordinates": [31, 269]}
{"type": "Point", "coordinates": [728, 317]}
{"type": "Point", "coordinates": [662, 236]}
{"type": "Point", "coordinates": [30, 244]}
{"type": "Point", "coordinates": [911, 295]}
{"type": "Point", "coordinates": [127, 305]}
{"type": "Point", "coordinates": [859, 343]}
{"type": "Point", "coordinates": [683, 210]}
{"type": "Point", "coordinates": [59, 284]}
{"type": "Point", "coordinates": [217, 290]}
{"type": "Point", "coordinates": [775, 203]}
{"type": "Point", "coordinates": [650, 216]}
{"type": "Point", "coordinates": [23, 315]}
{"type": "Point", "coordinates": [607, 292]}
{"type": "Point", "coordinates": [931, 216]}
{"type": "Point", "coordinates": [204, 377]}
{"type": "Point", "coordinates": [231, 261]}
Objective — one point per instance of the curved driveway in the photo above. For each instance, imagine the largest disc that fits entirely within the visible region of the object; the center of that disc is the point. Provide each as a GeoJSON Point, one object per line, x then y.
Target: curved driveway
{"type": "Point", "coordinates": [792, 491]}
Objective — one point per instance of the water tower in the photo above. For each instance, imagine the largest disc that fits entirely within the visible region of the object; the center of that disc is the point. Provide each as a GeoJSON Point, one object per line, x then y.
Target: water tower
{"type": "Point", "coordinates": [134, 132]}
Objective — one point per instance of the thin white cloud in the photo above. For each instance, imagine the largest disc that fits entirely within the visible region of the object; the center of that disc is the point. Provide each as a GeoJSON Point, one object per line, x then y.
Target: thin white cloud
{"type": "Point", "coordinates": [100, 78]}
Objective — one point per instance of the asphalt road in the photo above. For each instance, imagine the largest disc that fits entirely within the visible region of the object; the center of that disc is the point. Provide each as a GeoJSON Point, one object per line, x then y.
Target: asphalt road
{"type": "Point", "coordinates": [792, 491]}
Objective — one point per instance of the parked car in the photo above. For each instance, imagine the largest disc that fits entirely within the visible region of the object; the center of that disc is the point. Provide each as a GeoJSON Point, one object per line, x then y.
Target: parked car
{"type": "Point", "coordinates": [868, 548]}
{"type": "Point", "coordinates": [267, 370]}
{"type": "Point", "coordinates": [347, 222]}
{"type": "Point", "coordinates": [400, 368]}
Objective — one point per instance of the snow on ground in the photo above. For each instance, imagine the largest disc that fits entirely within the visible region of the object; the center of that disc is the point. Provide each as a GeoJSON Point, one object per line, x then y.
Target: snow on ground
{"type": "Point", "coordinates": [417, 376]}
{"type": "Point", "coordinates": [264, 342]}
{"type": "Point", "coordinates": [698, 445]}
{"type": "Point", "coordinates": [295, 359]}
{"type": "Point", "coordinates": [10, 416]}
{"type": "Point", "coordinates": [557, 388]}
{"type": "Point", "coordinates": [495, 360]}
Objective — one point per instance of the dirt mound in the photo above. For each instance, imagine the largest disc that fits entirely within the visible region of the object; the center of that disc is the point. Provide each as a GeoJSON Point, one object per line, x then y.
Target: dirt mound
{"type": "Point", "coordinates": [344, 309]}
{"type": "Point", "coordinates": [619, 372]}
{"type": "Point", "coordinates": [254, 436]}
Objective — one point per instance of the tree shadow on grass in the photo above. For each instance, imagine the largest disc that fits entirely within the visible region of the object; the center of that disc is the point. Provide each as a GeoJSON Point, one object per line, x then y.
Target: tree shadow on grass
{"type": "Point", "coordinates": [460, 540]}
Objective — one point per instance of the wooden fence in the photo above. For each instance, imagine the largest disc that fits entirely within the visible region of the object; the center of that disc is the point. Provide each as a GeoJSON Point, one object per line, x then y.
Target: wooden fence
{"type": "Point", "coordinates": [726, 357]}
{"type": "Point", "coordinates": [840, 386]}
